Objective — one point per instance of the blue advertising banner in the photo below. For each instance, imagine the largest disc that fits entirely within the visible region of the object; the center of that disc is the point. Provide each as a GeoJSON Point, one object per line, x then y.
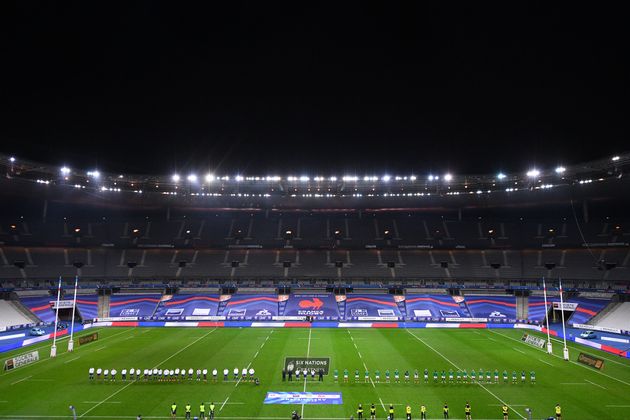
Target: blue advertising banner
{"type": "Point", "coordinates": [303, 398]}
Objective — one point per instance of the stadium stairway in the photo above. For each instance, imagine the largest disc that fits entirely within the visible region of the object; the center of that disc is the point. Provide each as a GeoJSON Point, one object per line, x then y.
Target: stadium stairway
{"type": "Point", "coordinates": [522, 307]}
{"type": "Point", "coordinates": [467, 313]}
{"type": "Point", "coordinates": [103, 306]}
{"type": "Point", "coordinates": [341, 304]}
{"type": "Point", "coordinates": [222, 306]}
{"type": "Point", "coordinates": [282, 305]}
{"type": "Point", "coordinates": [24, 310]}
{"type": "Point", "coordinates": [611, 307]}
{"type": "Point", "coordinates": [402, 308]}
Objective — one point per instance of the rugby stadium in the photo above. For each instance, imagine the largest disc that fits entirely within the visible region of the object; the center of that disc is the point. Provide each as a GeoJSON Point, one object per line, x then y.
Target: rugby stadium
{"type": "Point", "coordinates": [406, 291]}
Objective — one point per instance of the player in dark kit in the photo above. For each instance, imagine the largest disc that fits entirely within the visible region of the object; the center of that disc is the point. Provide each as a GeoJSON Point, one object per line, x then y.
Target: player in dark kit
{"type": "Point", "coordinates": [467, 411]}
{"type": "Point", "coordinates": [360, 411]}
{"type": "Point", "coordinates": [372, 412]}
{"type": "Point", "coordinates": [445, 410]}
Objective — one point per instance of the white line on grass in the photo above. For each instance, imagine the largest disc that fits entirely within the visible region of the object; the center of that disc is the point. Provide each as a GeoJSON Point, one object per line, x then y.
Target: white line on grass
{"type": "Point", "coordinates": [572, 383]}
{"type": "Point", "coordinates": [71, 360]}
{"type": "Point", "coordinates": [308, 353]}
{"type": "Point", "coordinates": [618, 406]}
{"type": "Point", "coordinates": [520, 351]}
{"type": "Point", "coordinates": [96, 402]}
{"type": "Point", "coordinates": [545, 362]}
{"type": "Point", "coordinates": [224, 402]}
{"type": "Point", "coordinates": [458, 368]}
{"type": "Point", "coordinates": [99, 349]}
{"type": "Point", "coordinates": [590, 382]}
{"type": "Point", "coordinates": [20, 380]}
{"type": "Point", "coordinates": [159, 364]}
{"type": "Point", "coordinates": [60, 354]}
{"type": "Point", "coordinates": [560, 357]}
{"type": "Point", "coordinates": [250, 363]}
{"type": "Point", "coordinates": [577, 347]}
{"type": "Point", "coordinates": [365, 366]}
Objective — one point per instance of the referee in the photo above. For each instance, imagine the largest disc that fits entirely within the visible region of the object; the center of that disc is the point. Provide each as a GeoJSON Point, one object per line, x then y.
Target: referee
{"type": "Point", "coordinates": [173, 410]}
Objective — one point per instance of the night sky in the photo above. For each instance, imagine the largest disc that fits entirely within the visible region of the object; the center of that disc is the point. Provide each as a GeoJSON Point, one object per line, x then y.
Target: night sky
{"type": "Point", "coordinates": [312, 87]}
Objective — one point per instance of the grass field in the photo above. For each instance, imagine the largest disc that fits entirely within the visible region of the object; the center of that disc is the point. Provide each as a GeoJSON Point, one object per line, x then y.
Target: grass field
{"type": "Point", "coordinates": [47, 388]}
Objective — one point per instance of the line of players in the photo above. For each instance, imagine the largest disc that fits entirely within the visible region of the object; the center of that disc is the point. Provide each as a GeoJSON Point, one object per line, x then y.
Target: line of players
{"type": "Point", "coordinates": [505, 411]}
{"type": "Point", "coordinates": [460, 376]}
{"type": "Point", "coordinates": [170, 375]}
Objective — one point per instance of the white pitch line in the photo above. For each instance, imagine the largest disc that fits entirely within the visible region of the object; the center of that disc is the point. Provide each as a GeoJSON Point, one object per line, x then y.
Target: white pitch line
{"type": "Point", "coordinates": [590, 382]}
{"type": "Point", "coordinates": [578, 347]}
{"type": "Point", "coordinates": [99, 349]}
{"type": "Point", "coordinates": [520, 351]}
{"type": "Point", "coordinates": [96, 402]}
{"type": "Point", "coordinates": [572, 383]}
{"type": "Point", "coordinates": [71, 360]}
{"type": "Point", "coordinates": [618, 406]}
{"type": "Point", "coordinates": [224, 402]}
{"type": "Point", "coordinates": [458, 368]}
{"type": "Point", "coordinates": [62, 354]}
{"type": "Point", "coordinates": [560, 357]}
{"type": "Point", "coordinates": [366, 368]}
{"type": "Point", "coordinates": [545, 362]}
{"type": "Point", "coordinates": [159, 364]}
{"type": "Point", "coordinates": [20, 380]}
{"type": "Point", "coordinates": [308, 353]}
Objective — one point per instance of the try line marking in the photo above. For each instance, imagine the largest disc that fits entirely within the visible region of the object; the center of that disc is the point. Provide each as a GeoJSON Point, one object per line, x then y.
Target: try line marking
{"type": "Point", "coordinates": [159, 364]}
{"type": "Point", "coordinates": [458, 368]}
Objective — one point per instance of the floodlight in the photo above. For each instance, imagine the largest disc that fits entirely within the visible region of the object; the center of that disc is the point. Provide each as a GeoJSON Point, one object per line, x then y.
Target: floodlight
{"type": "Point", "coordinates": [192, 178]}
{"type": "Point", "coordinates": [94, 174]}
{"type": "Point", "coordinates": [533, 173]}
{"type": "Point", "coordinates": [332, 178]}
{"type": "Point", "coordinates": [560, 169]}
{"type": "Point", "coordinates": [11, 159]}
{"type": "Point", "coordinates": [304, 178]}
{"type": "Point", "coordinates": [175, 178]}
{"type": "Point", "coordinates": [615, 158]}
{"type": "Point", "coordinates": [448, 177]}
{"type": "Point", "coordinates": [209, 177]}
{"type": "Point", "coordinates": [238, 178]}
{"type": "Point", "coordinates": [412, 177]}
{"type": "Point", "coordinates": [501, 175]}
{"type": "Point", "coordinates": [431, 177]}
{"type": "Point", "coordinates": [386, 178]}
{"type": "Point", "coordinates": [65, 171]}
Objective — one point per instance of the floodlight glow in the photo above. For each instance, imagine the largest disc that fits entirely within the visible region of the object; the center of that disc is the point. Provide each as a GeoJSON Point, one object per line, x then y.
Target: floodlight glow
{"type": "Point", "coordinates": [615, 158]}
{"type": "Point", "coordinates": [386, 178]}
{"type": "Point", "coordinates": [238, 178]}
{"type": "Point", "coordinates": [209, 178]}
{"type": "Point", "coordinates": [304, 178]}
{"type": "Point", "coordinates": [94, 174]}
{"type": "Point", "coordinates": [65, 170]}
{"type": "Point", "coordinates": [501, 175]}
{"type": "Point", "coordinates": [431, 177]}
{"type": "Point", "coordinates": [332, 178]}
{"type": "Point", "coordinates": [11, 159]}
{"type": "Point", "coordinates": [192, 178]}
{"type": "Point", "coordinates": [412, 177]}
{"type": "Point", "coordinates": [175, 178]}
{"type": "Point", "coordinates": [349, 178]}
{"type": "Point", "coordinates": [560, 169]}
{"type": "Point", "coordinates": [533, 173]}
{"type": "Point", "coordinates": [448, 177]}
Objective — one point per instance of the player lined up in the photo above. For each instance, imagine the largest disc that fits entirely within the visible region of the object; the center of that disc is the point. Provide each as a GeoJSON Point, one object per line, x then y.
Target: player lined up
{"type": "Point", "coordinates": [459, 376]}
{"type": "Point", "coordinates": [505, 411]}
{"type": "Point", "coordinates": [170, 375]}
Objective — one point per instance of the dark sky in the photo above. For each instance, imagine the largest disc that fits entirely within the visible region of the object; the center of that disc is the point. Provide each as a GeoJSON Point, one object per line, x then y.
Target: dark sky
{"type": "Point", "coordinates": [312, 87]}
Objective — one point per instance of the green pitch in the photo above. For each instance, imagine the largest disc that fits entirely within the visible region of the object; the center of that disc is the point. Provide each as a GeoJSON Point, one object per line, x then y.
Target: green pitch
{"type": "Point", "coordinates": [47, 388]}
